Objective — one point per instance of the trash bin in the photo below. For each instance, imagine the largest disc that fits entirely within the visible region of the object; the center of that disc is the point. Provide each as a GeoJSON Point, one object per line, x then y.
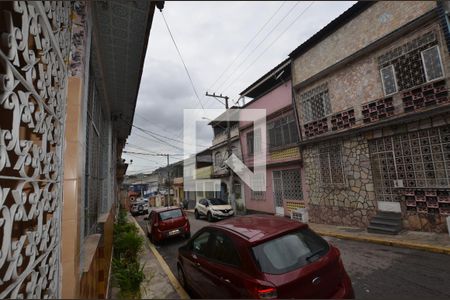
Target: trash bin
{"type": "Point", "coordinates": [300, 214]}
{"type": "Point", "coordinates": [304, 213]}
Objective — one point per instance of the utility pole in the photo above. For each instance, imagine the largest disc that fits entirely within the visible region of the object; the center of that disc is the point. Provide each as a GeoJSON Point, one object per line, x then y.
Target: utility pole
{"type": "Point", "coordinates": [168, 177]}
{"type": "Point", "coordinates": [231, 192]}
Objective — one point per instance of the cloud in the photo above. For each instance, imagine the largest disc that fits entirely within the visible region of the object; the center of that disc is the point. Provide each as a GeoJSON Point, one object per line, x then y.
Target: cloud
{"type": "Point", "coordinates": [210, 35]}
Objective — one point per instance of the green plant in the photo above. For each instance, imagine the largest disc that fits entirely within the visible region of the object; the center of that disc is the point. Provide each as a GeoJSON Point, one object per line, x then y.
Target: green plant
{"type": "Point", "coordinates": [129, 277]}
{"type": "Point", "coordinates": [127, 271]}
{"type": "Point", "coordinates": [128, 245]}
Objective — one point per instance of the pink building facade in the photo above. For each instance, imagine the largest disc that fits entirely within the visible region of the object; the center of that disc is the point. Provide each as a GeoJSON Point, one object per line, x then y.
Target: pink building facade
{"type": "Point", "coordinates": [285, 190]}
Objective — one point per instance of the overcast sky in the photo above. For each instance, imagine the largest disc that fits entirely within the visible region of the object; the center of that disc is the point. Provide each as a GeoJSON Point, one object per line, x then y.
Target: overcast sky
{"type": "Point", "coordinates": [210, 36]}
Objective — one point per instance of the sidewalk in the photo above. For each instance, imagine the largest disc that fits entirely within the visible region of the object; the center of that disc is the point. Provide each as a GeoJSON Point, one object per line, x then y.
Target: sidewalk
{"type": "Point", "coordinates": [160, 282]}
{"type": "Point", "coordinates": [426, 241]}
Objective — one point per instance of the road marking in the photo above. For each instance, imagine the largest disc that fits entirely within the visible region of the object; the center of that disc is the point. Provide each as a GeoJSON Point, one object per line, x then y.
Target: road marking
{"type": "Point", "coordinates": [173, 280]}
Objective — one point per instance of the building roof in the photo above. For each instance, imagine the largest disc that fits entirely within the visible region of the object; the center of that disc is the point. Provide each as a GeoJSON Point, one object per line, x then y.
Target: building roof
{"type": "Point", "coordinates": [118, 55]}
{"type": "Point", "coordinates": [331, 27]}
{"type": "Point", "coordinates": [267, 81]}
{"type": "Point", "coordinates": [222, 118]}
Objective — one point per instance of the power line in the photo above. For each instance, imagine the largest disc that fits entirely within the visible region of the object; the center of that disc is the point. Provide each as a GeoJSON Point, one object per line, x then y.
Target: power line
{"type": "Point", "coordinates": [155, 140]}
{"type": "Point", "coordinates": [138, 147]}
{"type": "Point", "coordinates": [270, 45]}
{"type": "Point", "coordinates": [157, 134]}
{"type": "Point", "coordinates": [153, 136]}
{"type": "Point", "coordinates": [259, 44]}
{"type": "Point", "coordinates": [246, 46]}
{"type": "Point", "coordinates": [182, 60]}
{"type": "Point", "coordinates": [153, 124]}
{"type": "Point", "coordinates": [150, 160]}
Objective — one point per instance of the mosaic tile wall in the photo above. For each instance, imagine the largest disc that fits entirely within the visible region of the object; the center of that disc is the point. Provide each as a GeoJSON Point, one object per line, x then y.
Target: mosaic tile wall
{"type": "Point", "coordinates": [351, 203]}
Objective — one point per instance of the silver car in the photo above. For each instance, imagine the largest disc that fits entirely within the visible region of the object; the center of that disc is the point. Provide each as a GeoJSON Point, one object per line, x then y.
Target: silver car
{"type": "Point", "coordinates": [139, 207]}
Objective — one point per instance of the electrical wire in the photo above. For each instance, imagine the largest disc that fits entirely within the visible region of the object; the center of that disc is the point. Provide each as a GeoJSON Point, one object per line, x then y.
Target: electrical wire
{"type": "Point", "coordinates": [270, 45]}
{"type": "Point", "coordinates": [155, 125]}
{"type": "Point", "coordinates": [182, 60]}
{"type": "Point", "coordinates": [259, 44]}
{"type": "Point", "coordinates": [246, 46]}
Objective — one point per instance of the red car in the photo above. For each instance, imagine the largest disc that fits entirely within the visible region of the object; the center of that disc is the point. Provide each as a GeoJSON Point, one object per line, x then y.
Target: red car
{"type": "Point", "coordinates": [167, 222]}
{"type": "Point", "coordinates": [260, 256]}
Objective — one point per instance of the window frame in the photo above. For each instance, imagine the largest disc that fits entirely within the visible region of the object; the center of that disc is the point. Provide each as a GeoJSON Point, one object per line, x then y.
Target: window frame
{"type": "Point", "coordinates": [285, 122]}
{"type": "Point", "coordinates": [440, 62]}
{"type": "Point", "coordinates": [251, 145]}
{"type": "Point", "coordinates": [214, 234]}
{"type": "Point", "coordinates": [395, 80]}
{"type": "Point", "coordinates": [191, 243]}
{"type": "Point", "coordinates": [250, 138]}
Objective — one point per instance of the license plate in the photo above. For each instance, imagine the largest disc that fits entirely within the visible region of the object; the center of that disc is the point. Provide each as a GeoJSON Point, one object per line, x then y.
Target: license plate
{"type": "Point", "coordinates": [174, 232]}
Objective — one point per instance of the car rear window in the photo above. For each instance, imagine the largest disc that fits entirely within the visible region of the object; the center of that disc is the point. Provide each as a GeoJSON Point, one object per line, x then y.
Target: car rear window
{"type": "Point", "coordinates": [170, 214]}
{"type": "Point", "coordinates": [290, 251]}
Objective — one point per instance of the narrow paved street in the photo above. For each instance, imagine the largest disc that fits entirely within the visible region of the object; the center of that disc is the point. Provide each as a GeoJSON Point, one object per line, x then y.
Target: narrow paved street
{"type": "Point", "coordinates": [377, 271]}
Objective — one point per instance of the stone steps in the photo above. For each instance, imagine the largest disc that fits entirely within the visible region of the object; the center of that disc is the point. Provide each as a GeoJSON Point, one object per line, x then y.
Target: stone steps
{"type": "Point", "coordinates": [386, 223]}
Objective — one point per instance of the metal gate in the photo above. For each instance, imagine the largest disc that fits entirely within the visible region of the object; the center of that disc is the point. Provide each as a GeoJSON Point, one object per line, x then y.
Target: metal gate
{"type": "Point", "coordinates": [33, 86]}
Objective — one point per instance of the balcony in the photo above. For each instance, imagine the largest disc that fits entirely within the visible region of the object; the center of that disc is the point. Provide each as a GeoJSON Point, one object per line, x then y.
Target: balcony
{"type": "Point", "coordinates": [415, 100]}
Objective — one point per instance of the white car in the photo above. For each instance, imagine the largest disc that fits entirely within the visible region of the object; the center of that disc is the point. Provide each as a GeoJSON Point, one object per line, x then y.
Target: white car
{"type": "Point", "coordinates": [213, 208]}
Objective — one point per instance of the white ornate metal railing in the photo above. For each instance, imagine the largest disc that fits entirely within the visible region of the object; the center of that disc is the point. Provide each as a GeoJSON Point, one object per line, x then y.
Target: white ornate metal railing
{"type": "Point", "coordinates": [34, 49]}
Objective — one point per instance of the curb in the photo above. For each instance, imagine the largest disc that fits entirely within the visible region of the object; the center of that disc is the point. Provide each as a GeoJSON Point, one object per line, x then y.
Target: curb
{"type": "Point", "coordinates": [173, 280]}
{"type": "Point", "coordinates": [387, 242]}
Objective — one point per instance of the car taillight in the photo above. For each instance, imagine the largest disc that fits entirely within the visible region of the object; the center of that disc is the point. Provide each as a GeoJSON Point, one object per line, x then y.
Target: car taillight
{"type": "Point", "coordinates": [266, 293]}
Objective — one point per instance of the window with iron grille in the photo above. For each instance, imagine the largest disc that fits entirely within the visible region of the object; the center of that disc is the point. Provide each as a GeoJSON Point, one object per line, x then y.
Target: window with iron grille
{"type": "Point", "coordinates": [315, 103]}
{"type": "Point", "coordinates": [290, 182]}
{"type": "Point", "coordinates": [259, 182]}
{"type": "Point", "coordinates": [92, 173]}
{"type": "Point", "coordinates": [282, 132]}
{"type": "Point", "coordinates": [432, 63]}
{"type": "Point", "coordinates": [413, 63]}
{"type": "Point", "coordinates": [331, 169]}
{"type": "Point", "coordinates": [254, 141]}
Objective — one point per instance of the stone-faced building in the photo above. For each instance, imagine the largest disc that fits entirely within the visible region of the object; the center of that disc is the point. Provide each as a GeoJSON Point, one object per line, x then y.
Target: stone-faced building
{"type": "Point", "coordinates": [283, 185]}
{"type": "Point", "coordinates": [371, 92]}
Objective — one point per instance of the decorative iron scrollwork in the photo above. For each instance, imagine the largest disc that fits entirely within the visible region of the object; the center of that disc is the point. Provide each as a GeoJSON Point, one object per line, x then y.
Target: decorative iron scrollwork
{"type": "Point", "coordinates": [34, 49]}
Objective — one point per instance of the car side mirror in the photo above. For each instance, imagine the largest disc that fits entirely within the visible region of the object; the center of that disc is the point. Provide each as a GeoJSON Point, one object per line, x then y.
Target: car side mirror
{"type": "Point", "coordinates": [207, 204]}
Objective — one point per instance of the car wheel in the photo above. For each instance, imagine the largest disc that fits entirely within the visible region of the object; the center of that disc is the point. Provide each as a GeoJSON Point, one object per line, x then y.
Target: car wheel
{"type": "Point", "coordinates": [181, 277]}
{"type": "Point", "coordinates": [210, 218]}
{"type": "Point", "coordinates": [197, 216]}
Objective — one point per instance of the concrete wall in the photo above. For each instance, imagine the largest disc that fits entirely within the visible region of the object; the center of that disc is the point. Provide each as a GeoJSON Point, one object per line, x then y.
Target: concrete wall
{"type": "Point", "coordinates": [375, 22]}
{"type": "Point", "coordinates": [272, 101]}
